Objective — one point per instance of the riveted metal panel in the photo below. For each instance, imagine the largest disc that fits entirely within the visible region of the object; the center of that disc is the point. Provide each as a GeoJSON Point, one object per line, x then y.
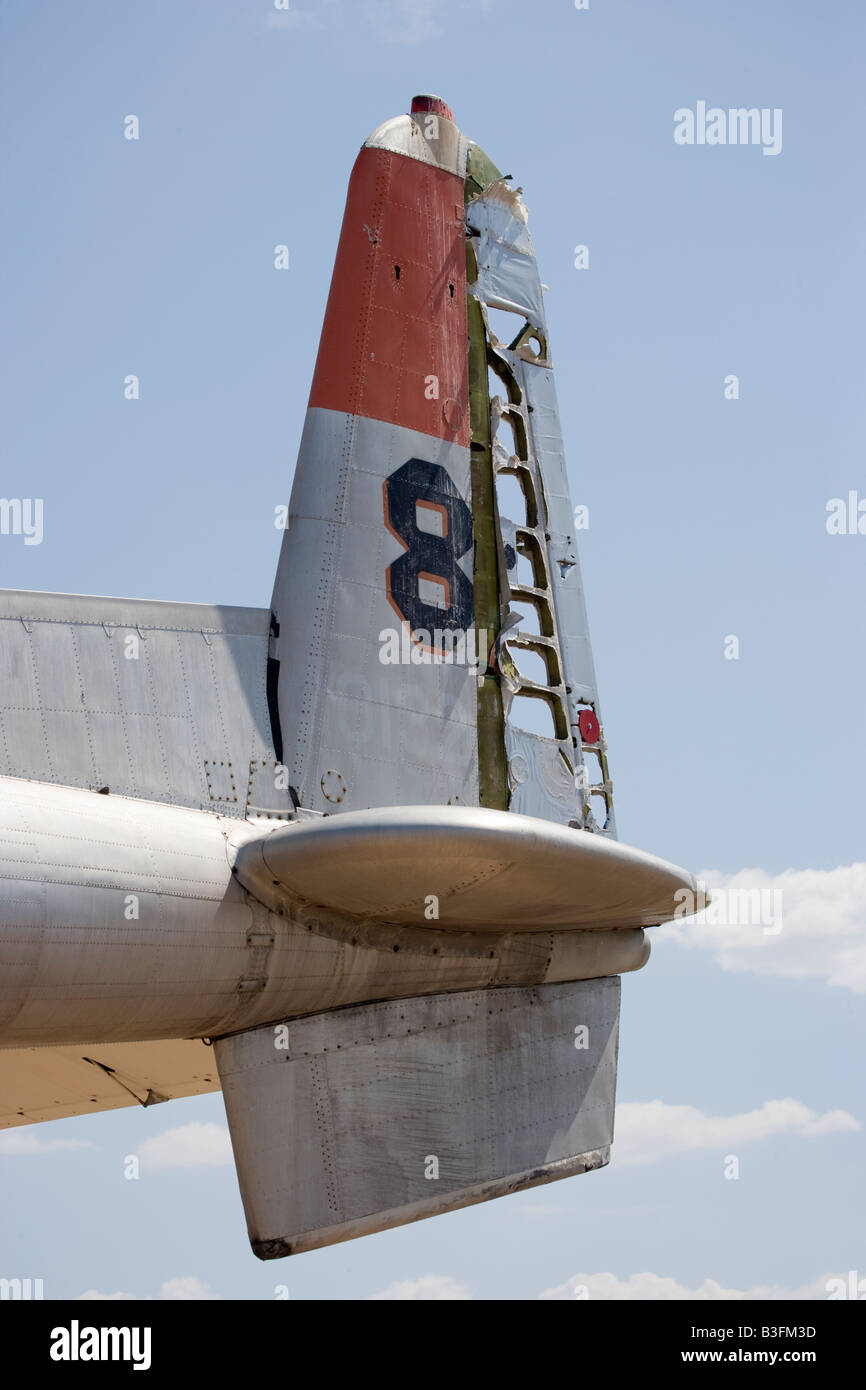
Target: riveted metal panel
{"type": "Point", "coordinates": [355, 1121]}
{"type": "Point", "coordinates": [163, 701]}
{"type": "Point", "coordinates": [396, 732]}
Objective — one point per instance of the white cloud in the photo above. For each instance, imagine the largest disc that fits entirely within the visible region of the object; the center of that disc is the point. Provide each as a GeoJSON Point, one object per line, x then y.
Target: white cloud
{"type": "Point", "coordinates": [417, 21]}
{"type": "Point", "coordinates": [439, 1287]}
{"type": "Point", "coordinates": [185, 1288]}
{"type": "Point", "coordinates": [182, 1288]}
{"type": "Point", "coordinates": [94, 1296]}
{"type": "Point", "coordinates": [405, 21]}
{"type": "Point", "coordinates": [606, 1287]}
{"type": "Point", "coordinates": [658, 1288]}
{"type": "Point", "coordinates": [23, 1141]}
{"type": "Point", "coordinates": [823, 925]}
{"type": "Point", "coordinates": [392, 21]}
{"type": "Point", "coordinates": [311, 16]}
{"type": "Point", "coordinates": [195, 1145]}
{"type": "Point", "coordinates": [646, 1131]}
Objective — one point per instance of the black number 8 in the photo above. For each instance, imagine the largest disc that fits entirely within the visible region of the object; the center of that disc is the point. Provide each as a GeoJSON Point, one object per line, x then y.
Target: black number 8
{"type": "Point", "coordinates": [428, 556]}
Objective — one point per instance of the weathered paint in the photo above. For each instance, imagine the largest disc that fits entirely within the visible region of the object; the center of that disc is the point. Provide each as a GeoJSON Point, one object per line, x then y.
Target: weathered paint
{"type": "Point", "coordinates": [396, 733]}
{"type": "Point", "coordinates": [396, 313]}
{"type": "Point", "coordinates": [492, 774]}
{"type": "Point", "coordinates": [546, 775]}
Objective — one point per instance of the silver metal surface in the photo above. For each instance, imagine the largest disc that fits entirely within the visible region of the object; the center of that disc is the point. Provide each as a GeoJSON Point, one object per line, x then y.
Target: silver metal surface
{"type": "Point", "coordinates": [528, 446]}
{"type": "Point", "coordinates": [397, 734]}
{"type": "Point", "coordinates": [356, 1121]}
{"type": "Point", "coordinates": [163, 701]}
{"type": "Point", "coordinates": [121, 922]}
{"type": "Point", "coordinates": [491, 870]}
{"type": "Point", "coordinates": [430, 139]}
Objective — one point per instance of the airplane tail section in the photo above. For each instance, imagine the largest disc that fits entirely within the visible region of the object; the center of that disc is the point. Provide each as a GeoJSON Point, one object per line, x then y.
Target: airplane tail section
{"type": "Point", "coordinates": [440, 728]}
{"type": "Point", "coordinates": [402, 844]}
{"type": "Point", "coordinates": [360, 1119]}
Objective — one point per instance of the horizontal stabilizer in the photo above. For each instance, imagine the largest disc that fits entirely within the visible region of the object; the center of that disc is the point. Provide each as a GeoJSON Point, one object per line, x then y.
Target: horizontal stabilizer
{"type": "Point", "coordinates": [52, 1083]}
{"type": "Point", "coordinates": [486, 870]}
{"type": "Point", "coordinates": [353, 1121]}
{"type": "Point", "coordinates": [157, 701]}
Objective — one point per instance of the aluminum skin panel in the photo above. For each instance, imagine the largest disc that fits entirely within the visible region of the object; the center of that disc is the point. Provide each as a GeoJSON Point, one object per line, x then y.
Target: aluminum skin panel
{"type": "Point", "coordinates": [121, 921]}
{"type": "Point", "coordinates": [486, 870]}
{"type": "Point", "coordinates": [507, 279]}
{"type": "Point", "coordinates": [390, 733]}
{"type": "Point", "coordinates": [349, 1123]}
{"type": "Point", "coordinates": [436, 141]}
{"type": "Point", "coordinates": [162, 701]}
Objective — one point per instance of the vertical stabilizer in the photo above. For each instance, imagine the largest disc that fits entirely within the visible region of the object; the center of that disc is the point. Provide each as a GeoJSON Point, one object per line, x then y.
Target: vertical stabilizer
{"type": "Point", "coordinates": [415, 619]}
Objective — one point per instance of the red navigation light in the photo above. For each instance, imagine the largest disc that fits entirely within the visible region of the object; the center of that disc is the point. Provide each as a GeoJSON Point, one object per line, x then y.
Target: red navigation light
{"type": "Point", "coordinates": [434, 105]}
{"type": "Point", "coordinates": [588, 725]}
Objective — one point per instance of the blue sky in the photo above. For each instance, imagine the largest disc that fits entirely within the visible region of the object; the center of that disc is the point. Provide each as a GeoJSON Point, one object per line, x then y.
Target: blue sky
{"type": "Point", "coordinates": [707, 519]}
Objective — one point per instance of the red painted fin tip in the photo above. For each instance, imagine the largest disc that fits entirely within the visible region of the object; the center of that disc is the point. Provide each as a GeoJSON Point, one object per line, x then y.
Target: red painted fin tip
{"type": "Point", "coordinates": [434, 105]}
